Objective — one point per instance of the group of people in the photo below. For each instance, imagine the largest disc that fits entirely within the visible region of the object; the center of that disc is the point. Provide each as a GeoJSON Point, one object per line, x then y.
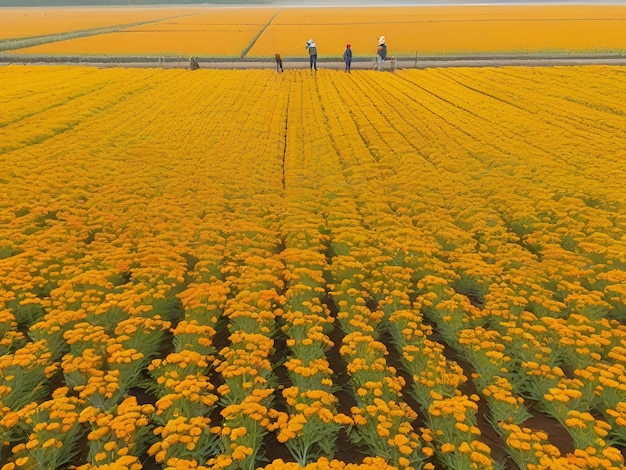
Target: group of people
{"type": "Point", "coordinates": [381, 54]}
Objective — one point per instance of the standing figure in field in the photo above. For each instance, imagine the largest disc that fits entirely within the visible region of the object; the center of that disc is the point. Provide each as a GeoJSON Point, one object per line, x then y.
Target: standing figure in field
{"type": "Point", "coordinates": [347, 57]}
{"type": "Point", "coordinates": [279, 63]}
{"type": "Point", "coordinates": [381, 53]}
{"type": "Point", "coordinates": [310, 45]}
{"type": "Point", "coordinates": [193, 64]}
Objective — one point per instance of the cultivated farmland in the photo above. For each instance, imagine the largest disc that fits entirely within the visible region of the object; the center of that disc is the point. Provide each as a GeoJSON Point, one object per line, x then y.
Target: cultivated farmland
{"type": "Point", "coordinates": [18, 23]}
{"type": "Point", "coordinates": [254, 33]}
{"type": "Point", "coordinates": [243, 269]}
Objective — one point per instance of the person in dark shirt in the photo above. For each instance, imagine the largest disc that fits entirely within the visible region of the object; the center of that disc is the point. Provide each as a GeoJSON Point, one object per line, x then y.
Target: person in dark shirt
{"type": "Point", "coordinates": [279, 63]}
{"type": "Point", "coordinates": [347, 57]}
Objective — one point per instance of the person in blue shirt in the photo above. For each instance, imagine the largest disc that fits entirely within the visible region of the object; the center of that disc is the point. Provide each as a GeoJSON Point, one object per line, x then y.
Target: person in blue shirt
{"type": "Point", "coordinates": [347, 57]}
{"type": "Point", "coordinates": [381, 54]}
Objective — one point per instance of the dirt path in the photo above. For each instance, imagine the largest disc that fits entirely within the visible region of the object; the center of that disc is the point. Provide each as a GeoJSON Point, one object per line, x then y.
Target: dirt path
{"type": "Point", "coordinates": [400, 63]}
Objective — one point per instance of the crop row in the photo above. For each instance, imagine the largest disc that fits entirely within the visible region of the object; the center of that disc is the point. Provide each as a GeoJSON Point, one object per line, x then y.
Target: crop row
{"type": "Point", "coordinates": [240, 269]}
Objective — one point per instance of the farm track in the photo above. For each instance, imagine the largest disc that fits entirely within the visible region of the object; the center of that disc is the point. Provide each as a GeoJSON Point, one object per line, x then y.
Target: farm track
{"type": "Point", "coordinates": [538, 60]}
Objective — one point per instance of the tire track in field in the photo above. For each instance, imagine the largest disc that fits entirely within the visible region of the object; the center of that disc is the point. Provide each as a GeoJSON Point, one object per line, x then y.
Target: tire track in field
{"type": "Point", "coordinates": [69, 125]}
{"type": "Point", "coordinates": [565, 120]}
{"type": "Point", "coordinates": [366, 145]}
{"type": "Point", "coordinates": [492, 94]}
{"type": "Point", "coordinates": [490, 437]}
{"type": "Point", "coordinates": [580, 168]}
{"type": "Point", "coordinates": [393, 166]}
{"type": "Point", "coordinates": [286, 134]}
{"type": "Point", "coordinates": [344, 92]}
{"type": "Point", "coordinates": [562, 123]}
{"type": "Point", "coordinates": [304, 108]}
{"type": "Point", "coordinates": [449, 176]}
{"type": "Point", "coordinates": [245, 51]}
{"type": "Point", "coordinates": [438, 97]}
{"type": "Point", "coordinates": [477, 178]}
{"type": "Point", "coordinates": [498, 20]}
{"type": "Point", "coordinates": [53, 105]}
{"type": "Point", "coordinates": [390, 119]}
{"type": "Point", "coordinates": [21, 43]}
{"type": "Point", "coordinates": [398, 103]}
{"type": "Point", "coordinates": [468, 131]}
{"type": "Point", "coordinates": [539, 183]}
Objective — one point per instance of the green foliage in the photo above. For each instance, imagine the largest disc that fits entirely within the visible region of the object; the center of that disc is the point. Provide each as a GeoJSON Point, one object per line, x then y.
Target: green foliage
{"type": "Point", "coordinates": [26, 315]}
{"type": "Point", "coordinates": [6, 251]}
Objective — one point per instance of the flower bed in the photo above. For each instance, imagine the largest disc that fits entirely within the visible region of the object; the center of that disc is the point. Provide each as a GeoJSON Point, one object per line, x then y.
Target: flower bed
{"type": "Point", "coordinates": [253, 270]}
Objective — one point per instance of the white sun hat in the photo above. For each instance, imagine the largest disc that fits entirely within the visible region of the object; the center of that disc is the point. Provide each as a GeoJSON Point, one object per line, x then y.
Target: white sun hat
{"type": "Point", "coordinates": [381, 40]}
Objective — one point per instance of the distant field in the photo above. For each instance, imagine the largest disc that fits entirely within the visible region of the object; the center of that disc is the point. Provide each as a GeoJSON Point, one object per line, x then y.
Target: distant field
{"type": "Point", "coordinates": [446, 29]}
{"type": "Point", "coordinates": [18, 23]}
{"type": "Point", "coordinates": [261, 32]}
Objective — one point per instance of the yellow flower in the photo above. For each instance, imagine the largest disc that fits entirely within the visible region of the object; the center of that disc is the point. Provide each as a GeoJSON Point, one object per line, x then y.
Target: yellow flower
{"type": "Point", "coordinates": [447, 448]}
{"type": "Point", "coordinates": [109, 446]}
{"type": "Point", "coordinates": [405, 449]}
{"type": "Point", "coordinates": [241, 452]}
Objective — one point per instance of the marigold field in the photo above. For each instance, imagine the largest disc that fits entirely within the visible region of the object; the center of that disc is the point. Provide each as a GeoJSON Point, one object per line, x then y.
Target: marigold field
{"type": "Point", "coordinates": [261, 32]}
{"type": "Point", "coordinates": [243, 269]}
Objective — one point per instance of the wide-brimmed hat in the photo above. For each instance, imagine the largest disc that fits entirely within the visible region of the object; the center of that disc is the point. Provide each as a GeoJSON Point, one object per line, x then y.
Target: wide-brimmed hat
{"type": "Point", "coordinates": [381, 40]}
{"type": "Point", "coordinates": [310, 41]}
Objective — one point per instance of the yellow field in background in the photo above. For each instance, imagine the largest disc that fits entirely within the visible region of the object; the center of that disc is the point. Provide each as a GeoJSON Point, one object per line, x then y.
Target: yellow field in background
{"type": "Point", "coordinates": [223, 42]}
{"type": "Point", "coordinates": [215, 19]}
{"type": "Point", "coordinates": [445, 29]}
{"type": "Point", "coordinates": [193, 34]}
{"type": "Point", "coordinates": [28, 22]}
{"type": "Point", "coordinates": [409, 31]}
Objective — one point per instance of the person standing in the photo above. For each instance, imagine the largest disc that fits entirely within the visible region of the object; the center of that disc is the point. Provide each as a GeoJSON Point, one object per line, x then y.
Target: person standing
{"type": "Point", "coordinates": [347, 57]}
{"type": "Point", "coordinates": [310, 45]}
{"type": "Point", "coordinates": [381, 54]}
{"type": "Point", "coordinates": [279, 63]}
